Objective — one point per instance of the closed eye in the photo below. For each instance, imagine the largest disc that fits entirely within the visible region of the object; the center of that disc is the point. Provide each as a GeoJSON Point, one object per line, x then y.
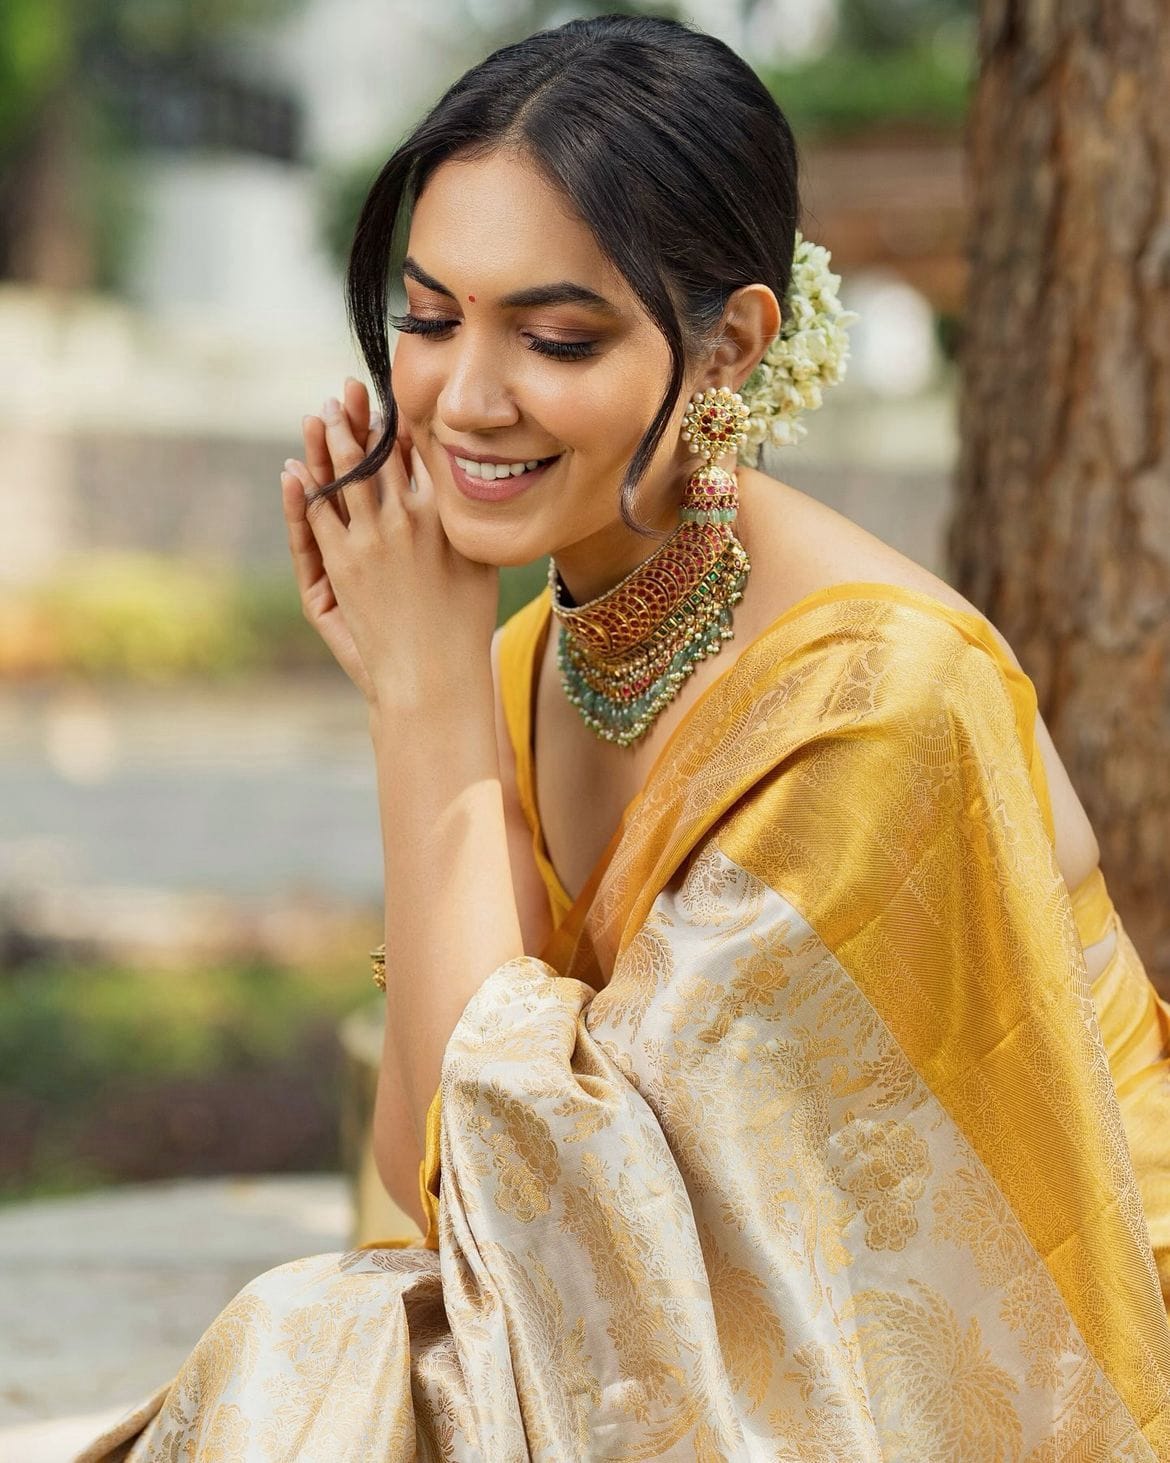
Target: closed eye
{"type": "Point", "coordinates": [557, 350]}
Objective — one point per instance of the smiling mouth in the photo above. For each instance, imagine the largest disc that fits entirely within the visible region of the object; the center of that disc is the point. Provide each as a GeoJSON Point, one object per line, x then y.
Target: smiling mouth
{"type": "Point", "coordinates": [496, 472]}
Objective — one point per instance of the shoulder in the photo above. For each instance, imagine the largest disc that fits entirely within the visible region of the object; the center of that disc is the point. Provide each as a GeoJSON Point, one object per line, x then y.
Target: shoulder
{"type": "Point", "coordinates": [804, 545]}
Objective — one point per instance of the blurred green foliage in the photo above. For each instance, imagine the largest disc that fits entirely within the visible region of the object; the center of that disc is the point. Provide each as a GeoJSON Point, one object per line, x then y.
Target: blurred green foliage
{"type": "Point", "coordinates": [157, 619]}
{"type": "Point", "coordinates": [109, 1074]}
{"type": "Point", "coordinates": [36, 49]}
{"type": "Point", "coordinates": [45, 44]}
{"type": "Point", "coordinates": [892, 25]}
{"type": "Point", "coordinates": [62, 113]}
{"type": "Point", "coordinates": [848, 92]}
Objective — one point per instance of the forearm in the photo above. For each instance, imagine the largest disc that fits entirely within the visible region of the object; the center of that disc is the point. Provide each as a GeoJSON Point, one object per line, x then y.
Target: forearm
{"type": "Point", "coordinates": [450, 906]}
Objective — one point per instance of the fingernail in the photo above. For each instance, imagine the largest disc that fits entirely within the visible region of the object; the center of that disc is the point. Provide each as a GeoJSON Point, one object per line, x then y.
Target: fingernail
{"type": "Point", "coordinates": [332, 407]}
{"type": "Point", "coordinates": [290, 466]}
{"type": "Point", "coordinates": [375, 422]}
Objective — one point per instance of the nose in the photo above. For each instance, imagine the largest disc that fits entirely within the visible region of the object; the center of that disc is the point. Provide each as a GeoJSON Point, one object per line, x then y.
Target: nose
{"type": "Point", "coordinates": [474, 396]}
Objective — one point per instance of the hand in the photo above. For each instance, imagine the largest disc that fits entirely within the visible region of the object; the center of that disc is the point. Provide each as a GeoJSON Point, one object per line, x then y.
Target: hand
{"type": "Point", "coordinates": [408, 618]}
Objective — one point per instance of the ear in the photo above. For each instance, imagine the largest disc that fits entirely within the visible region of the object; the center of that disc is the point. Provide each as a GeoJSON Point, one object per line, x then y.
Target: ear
{"type": "Point", "coordinates": [750, 323]}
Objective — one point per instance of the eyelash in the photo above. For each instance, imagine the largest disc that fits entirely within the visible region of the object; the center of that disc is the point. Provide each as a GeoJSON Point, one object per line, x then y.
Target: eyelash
{"type": "Point", "coordinates": [557, 350]}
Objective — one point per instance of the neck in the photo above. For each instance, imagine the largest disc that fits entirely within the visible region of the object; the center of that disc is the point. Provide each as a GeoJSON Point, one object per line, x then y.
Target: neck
{"type": "Point", "coordinates": [592, 568]}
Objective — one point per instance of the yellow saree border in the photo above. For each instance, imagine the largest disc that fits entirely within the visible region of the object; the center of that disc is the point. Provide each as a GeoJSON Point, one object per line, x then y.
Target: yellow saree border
{"type": "Point", "coordinates": [518, 644]}
{"type": "Point", "coordinates": [1092, 908]}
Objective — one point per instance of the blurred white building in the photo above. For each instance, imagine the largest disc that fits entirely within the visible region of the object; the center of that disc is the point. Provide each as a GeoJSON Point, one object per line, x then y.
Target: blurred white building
{"type": "Point", "coordinates": [236, 235]}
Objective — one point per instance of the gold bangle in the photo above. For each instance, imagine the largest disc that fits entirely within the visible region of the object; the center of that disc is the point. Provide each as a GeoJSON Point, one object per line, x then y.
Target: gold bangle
{"type": "Point", "coordinates": [378, 957]}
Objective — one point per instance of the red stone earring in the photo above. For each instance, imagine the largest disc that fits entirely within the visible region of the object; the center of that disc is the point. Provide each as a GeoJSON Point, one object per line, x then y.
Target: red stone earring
{"type": "Point", "coordinates": [713, 424]}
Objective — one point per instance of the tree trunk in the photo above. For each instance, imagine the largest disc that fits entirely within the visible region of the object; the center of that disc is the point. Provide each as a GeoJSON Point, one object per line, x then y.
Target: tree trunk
{"type": "Point", "coordinates": [1062, 529]}
{"type": "Point", "coordinates": [45, 234]}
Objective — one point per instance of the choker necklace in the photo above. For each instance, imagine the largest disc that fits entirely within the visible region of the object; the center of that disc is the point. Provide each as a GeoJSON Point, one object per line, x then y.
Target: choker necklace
{"type": "Point", "coordinates": [623, 656]}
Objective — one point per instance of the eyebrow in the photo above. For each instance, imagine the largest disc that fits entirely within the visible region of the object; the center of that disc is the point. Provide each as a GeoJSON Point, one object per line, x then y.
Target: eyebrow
{"type": "Point", "coordinates": [563, 292]}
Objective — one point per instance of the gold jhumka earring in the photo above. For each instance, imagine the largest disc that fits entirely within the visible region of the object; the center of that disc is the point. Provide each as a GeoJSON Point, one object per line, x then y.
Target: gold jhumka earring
{"type": "Point", "coordinates": [623, 656]}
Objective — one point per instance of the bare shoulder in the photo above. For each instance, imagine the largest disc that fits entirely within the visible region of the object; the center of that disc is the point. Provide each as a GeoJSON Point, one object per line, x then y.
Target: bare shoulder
{"type": "Point", "coordinates": [804, 545]}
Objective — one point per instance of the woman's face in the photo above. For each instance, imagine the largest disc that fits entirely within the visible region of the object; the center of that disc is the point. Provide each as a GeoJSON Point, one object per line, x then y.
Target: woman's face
{"type": "Point", "coordinates": [487, 383]}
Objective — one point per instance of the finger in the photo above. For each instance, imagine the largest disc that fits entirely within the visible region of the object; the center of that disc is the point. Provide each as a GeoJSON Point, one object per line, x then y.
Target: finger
{"type": "Point", "coordinates": [356, 400]}
{"type": "Point", "coordinates": [404, 438]}
{"type": "Point", "coordinates": [308, 565]}
{"type": "Point", "coordinates": [319, 461]}
{"type": "Point", "coordinates": [347, 451]}
{"type": "Point", "coordinates": [422, 473]}
{"type": "Point", "coordinates": [317, 458]}
{"type": "Point", "coordinates": [422, 485]}
{"type": "Point", "coordinates": [321, 514]}
{"type": "Point", "coordinates": [395, 474]}
{"type": "Point", "coordinates": [373, 437]}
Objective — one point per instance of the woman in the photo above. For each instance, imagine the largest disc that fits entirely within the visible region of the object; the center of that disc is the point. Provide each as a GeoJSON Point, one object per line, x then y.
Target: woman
{"type": "Point", "coordinates": [788, 1088]}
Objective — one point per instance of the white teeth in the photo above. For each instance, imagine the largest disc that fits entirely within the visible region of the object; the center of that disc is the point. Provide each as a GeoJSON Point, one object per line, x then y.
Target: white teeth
{"type": "Point", "coordinates": [490, 471]}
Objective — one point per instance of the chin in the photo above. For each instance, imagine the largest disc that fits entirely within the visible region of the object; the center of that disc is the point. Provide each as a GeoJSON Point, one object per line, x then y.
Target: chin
{"type": "Point", "coordinates": [504, 547]}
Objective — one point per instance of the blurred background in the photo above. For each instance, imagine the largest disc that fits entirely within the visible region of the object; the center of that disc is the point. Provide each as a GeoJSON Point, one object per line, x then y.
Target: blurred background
{"type": "Point", "coordinates": [190, 862]}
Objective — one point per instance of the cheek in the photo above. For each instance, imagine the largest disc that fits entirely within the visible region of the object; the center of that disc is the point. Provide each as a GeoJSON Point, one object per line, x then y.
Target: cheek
{"type": "Point", "coordinates": [600, 410]}
{"type": "Point", "coordinates": [415, 380]}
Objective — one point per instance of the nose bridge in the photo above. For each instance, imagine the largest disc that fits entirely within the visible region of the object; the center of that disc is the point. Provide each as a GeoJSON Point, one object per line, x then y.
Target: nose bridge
{"type": "Point", "coordinates": [475, 392]}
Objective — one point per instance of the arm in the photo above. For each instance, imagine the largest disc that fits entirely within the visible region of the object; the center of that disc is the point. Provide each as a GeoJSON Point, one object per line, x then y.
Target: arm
{"type": "Point", "coordinates": [450, 908]}
{"type": "Point", "coordinates": [397, 1131]}
{"type": "Point", "coordinates": [409, 619]}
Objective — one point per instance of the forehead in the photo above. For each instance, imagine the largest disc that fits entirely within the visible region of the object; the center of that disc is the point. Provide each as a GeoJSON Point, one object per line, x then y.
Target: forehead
{"type": "Point", "coordinates": [495, 224]}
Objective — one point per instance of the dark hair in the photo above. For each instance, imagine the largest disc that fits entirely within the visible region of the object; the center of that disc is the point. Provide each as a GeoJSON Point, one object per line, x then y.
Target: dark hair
{"type": "Point", "coordinates": [666, 144]}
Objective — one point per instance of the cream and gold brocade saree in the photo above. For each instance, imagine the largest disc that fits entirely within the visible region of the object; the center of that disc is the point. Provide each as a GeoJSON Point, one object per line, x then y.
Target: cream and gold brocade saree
{"type": "Point", "coordinates": [806, 1137]}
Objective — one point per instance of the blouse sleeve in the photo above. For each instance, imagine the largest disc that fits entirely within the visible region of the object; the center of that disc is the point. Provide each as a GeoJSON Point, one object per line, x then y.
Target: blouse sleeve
{"type": "Point", "coordinates": [1135, 1028]}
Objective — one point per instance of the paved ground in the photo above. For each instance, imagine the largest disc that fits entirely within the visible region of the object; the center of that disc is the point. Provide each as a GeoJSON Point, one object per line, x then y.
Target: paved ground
{"type": "Point", "coordinates": [102, 1296]}
{"type": "Point", "coordinates": [243, 790]}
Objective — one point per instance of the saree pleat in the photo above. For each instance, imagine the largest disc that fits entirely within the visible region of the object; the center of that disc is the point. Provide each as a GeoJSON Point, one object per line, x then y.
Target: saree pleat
{"type": "Point", "coordinates": [805, 1138]}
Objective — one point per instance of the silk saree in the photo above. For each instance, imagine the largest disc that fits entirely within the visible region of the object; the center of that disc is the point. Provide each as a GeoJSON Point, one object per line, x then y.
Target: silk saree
{"type": "Point", "coordinates": [806, 1137]}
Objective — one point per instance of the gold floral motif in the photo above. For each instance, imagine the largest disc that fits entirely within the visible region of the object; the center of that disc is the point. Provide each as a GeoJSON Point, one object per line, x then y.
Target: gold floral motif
{"type": "Point", "coordinates": [933, 1378]}
{"type": "Point", "coordinates": [524, 1153]}
{"type": "Point", "coordinates": [750, 1332]}
{"type": "Point", "coordinates": [887, 1181]}
{"type": "Point", "coordinates": [539, 1312]}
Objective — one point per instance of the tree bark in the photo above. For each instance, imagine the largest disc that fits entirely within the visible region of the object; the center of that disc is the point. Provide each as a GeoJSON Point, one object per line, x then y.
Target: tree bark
{"type": "Point", "coordinates": [1061, 534]}
{"type": "Point", "coordinates": [45, 234]}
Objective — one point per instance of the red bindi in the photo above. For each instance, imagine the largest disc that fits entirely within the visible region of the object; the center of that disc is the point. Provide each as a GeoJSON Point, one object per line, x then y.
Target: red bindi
{"type": "Point", "coordinates": [471, 298]}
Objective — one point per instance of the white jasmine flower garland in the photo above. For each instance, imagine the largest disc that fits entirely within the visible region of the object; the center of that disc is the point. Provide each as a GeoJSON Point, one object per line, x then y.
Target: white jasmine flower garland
{"type": "Point", "coordinates": [809, 354]}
